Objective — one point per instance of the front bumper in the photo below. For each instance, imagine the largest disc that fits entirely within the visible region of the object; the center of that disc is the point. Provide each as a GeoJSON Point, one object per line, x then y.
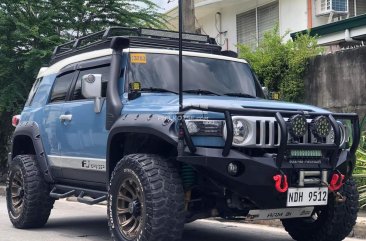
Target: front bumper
{"type": "Point", "coordinates": [255, 181]}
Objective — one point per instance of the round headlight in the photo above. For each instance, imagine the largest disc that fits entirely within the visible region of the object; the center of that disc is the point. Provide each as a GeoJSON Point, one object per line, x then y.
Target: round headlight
{"type": "Point", "coordinates": [192, 127]}
{"type": "Point", "coordinates": [321, 127]}
{"type": "Point", "coordinates": [241, 131]}
{"type": "Point", "coordinates": [298, 126]}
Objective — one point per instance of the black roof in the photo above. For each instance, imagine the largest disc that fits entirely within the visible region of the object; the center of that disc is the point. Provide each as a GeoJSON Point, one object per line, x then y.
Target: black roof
{"type": "Point", "coordinates": [142, 38]}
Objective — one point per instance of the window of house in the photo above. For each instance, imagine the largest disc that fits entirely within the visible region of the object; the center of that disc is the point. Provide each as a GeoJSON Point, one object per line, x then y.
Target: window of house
{"type": "Point", "coordinates": [360, 7]}
{"type": "Point", "coordinates": [252, 25]}
{"type": "Point", "coordinates": [356, 7]}
{"type": "Point", "coordinates": [247, 28]}
{"type": "Point", "coordinates": [104, 71]}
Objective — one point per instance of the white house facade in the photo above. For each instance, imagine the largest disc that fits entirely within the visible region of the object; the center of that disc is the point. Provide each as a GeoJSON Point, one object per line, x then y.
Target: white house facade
{"type": "Point", "coordinates": [245, 21]}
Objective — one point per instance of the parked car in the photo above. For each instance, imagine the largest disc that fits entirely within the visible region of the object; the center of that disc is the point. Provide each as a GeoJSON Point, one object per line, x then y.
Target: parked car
{"type": "Point", "coordinates": [102, 123]}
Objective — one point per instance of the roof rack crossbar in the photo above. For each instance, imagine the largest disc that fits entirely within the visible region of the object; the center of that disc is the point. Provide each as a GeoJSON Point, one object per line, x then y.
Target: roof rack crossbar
{"type": "Point", "coordinates": [143, 37]}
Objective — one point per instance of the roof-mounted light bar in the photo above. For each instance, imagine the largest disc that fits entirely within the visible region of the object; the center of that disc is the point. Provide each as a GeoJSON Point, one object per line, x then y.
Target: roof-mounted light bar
{"type": "Point", "coordinates": [174, 35]}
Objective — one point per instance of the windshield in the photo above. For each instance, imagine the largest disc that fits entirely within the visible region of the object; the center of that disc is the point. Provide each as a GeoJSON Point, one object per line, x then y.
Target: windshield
{"type": "Point", "coordinates": [201, 75]}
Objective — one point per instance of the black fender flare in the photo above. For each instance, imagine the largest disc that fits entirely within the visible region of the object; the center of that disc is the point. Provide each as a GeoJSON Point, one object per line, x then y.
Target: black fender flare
{"type": "Point", "coordinates": [30, 129]}
{"type": "Point", "coordinates": [152, 124]}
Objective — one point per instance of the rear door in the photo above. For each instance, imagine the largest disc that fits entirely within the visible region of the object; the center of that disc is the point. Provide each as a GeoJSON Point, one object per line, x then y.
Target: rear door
{"type": "Point", "coordinates": [51, 125]}
{"type": "Point", "coordinates": [84, 137]}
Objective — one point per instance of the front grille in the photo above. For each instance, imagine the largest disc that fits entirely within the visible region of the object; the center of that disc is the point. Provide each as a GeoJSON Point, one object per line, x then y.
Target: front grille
{"type": "Point", "coordinates": [267, 133]}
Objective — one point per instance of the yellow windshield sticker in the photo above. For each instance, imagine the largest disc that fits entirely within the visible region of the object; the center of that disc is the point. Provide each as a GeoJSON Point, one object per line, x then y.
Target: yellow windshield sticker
{"type": "Point", "coordinates": [138, 58]}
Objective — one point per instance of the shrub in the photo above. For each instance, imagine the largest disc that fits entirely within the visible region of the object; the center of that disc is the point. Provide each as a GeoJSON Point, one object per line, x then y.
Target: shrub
{"type": "Point", "coordinates": [280, 64]}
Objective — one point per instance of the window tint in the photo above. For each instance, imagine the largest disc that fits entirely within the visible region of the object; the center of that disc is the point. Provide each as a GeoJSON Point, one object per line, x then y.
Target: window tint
{"type": "Point", "coordinates": [104, 71]}
{"type": "Point", "coordinates": [33, 91]}
{"type": "Point", "coordinates": [61, 87]}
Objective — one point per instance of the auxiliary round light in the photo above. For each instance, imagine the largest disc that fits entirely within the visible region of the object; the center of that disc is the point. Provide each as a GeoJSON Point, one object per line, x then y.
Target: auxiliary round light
{"type": "Point", "coordinates": [241, 131]}
{"type": "Point", "coordinates": [298, 126]}
{"type": "Point", "coordinates": [321, 127]}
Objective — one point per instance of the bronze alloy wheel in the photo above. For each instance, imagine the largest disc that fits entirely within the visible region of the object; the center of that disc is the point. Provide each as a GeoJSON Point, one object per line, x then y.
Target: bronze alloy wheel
{"type": "Point", "coordinates": [17, 193]}
{"type": "Point", "coordinates": [130, 208]}
{"type": "Point", "coordinates": [27, 194]}
{"type": "Point", "coordinates": [145, 200]}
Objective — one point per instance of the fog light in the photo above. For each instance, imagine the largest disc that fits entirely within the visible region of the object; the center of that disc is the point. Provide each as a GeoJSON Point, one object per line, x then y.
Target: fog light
{"type": "Point", "coordinates": [298, 126]}
{"type": "Point", "coordinates": [233, 169]}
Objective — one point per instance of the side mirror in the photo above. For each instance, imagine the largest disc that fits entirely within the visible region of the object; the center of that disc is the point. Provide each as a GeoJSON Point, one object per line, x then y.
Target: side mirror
{"type": "Point", "coordinates": [91, 87]}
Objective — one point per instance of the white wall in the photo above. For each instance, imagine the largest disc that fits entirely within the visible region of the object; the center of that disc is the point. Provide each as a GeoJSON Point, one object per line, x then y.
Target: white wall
{"type": "Point", "coordinates": [228, 14]}
{"type": "Point", "coordinates": [293, 18]}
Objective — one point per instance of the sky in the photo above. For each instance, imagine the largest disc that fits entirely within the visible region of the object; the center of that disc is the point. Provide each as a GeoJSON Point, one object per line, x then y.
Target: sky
{"type": "Point", "coordinates": [166, 4]}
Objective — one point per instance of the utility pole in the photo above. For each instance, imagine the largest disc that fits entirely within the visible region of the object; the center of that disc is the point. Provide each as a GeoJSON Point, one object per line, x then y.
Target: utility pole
{"type": "Point", "coordinates": [189, 16]}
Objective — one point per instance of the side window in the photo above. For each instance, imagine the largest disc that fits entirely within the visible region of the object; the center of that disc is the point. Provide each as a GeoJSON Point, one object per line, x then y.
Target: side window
{"type": "Point", "coordinates": [61, 87]}
{"type": "Point", "coordinates": [104, 71]}
{"type": "Point", "coordinates": [33, 91]}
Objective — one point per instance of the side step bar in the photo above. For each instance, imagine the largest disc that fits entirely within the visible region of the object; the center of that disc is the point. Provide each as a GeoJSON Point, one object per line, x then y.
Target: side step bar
{"type": "Point", "coordinates": [83, 195]}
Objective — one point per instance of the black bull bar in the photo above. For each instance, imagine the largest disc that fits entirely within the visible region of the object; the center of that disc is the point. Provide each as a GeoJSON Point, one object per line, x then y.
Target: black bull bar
{"type": "Point", "coordinates": [279, 116]}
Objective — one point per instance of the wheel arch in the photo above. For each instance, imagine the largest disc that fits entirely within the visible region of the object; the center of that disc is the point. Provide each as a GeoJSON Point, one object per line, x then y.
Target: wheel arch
{"type": "Point", "coordinates": [149, 134]}
{"type": "Point", "coordinates": [27, 140]}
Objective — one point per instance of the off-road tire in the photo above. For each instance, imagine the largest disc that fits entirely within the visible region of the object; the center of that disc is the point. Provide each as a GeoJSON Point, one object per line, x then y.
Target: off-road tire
{"type": "Point", "coordinates": [334, 223]}
{"type": "Point", "coordinates": [36, 204]}
{"type": "Point", "coordinates": [163, 197]}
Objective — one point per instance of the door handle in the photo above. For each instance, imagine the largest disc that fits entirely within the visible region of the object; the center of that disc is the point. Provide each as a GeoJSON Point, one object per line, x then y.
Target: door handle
{"type": "Point", "coordinates": [65, 118]}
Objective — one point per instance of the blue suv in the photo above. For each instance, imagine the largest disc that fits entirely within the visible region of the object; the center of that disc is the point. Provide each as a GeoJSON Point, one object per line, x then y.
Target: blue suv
{"type": "Point", "coordinates": [104, 123]}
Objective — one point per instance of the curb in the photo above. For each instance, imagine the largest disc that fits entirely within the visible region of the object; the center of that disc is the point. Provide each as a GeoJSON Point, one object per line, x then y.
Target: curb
{"type": "Point", "coordinates": [359, 230]}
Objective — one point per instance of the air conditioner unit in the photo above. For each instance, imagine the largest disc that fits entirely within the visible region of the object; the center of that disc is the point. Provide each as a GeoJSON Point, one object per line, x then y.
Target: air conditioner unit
{"type": "Point", "coordinates": [325, 7]}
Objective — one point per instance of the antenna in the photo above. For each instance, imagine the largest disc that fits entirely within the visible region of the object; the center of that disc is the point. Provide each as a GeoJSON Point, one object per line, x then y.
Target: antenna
{"type": "Point", "coordinates": [180, 115]}
{"type": "Point", "coordinates": [180, 55]}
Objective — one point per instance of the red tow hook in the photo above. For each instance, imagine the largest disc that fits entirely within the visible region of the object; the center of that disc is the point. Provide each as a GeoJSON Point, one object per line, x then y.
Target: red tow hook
{"type": "Point", "coordinates": [279, 185]}
{"type": "Point", "coordinates": [337, 182]}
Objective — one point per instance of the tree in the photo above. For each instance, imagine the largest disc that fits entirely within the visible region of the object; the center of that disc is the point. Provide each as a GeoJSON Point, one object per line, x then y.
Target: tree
{"type": "Point", "coordinates": [30, 29]}
{"type": "Point", "coordinates": [280, 64]}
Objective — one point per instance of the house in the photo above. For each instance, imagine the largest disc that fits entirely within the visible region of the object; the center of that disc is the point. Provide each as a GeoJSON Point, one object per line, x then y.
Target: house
{"type": "Point", "coordinates": [246, 21]}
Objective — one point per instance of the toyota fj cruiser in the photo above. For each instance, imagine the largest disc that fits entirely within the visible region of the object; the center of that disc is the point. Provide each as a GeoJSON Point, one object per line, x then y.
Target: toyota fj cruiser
{"type": "Point", "coordinates": [103, 123]}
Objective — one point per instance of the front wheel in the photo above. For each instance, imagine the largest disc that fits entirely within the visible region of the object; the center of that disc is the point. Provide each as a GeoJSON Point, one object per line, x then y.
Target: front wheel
{"type": "Point", "coordinates": [331, 223]}
{"type": "Point", "coordinates": [146, 200]}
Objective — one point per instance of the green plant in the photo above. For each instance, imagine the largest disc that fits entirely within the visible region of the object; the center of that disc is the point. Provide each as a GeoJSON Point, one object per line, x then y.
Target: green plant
{"type": "Point", "coordinates": [280, 64]}
{"type": "Point", "coordinates": [360, 169]}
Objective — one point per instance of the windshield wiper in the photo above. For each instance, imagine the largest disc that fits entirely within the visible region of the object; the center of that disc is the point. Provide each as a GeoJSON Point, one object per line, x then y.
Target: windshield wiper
{"type": "Point", "coordinates": [152, 89]}
{"type": "Point", "coordinates": [200, 92]}
{"type": "Point", "coordinates": [240, 95]}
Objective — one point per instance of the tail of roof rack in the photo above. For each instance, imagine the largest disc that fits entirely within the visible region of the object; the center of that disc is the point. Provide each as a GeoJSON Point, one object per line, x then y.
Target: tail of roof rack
{"type": "Point", "coordinates": [142, 37]}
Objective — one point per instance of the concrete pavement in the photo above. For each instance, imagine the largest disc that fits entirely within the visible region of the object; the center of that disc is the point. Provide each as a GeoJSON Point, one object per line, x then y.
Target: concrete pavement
{"type": "Point", "coordinates": [75, 221]}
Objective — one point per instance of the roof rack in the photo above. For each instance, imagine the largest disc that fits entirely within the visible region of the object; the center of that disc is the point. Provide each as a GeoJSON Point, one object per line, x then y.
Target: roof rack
{"type": "Point", "coordinates": [142, 37]}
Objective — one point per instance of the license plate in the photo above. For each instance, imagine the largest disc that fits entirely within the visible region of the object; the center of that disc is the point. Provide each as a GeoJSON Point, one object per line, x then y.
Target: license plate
{"type": "Point", "coordinates": [312, 196]}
